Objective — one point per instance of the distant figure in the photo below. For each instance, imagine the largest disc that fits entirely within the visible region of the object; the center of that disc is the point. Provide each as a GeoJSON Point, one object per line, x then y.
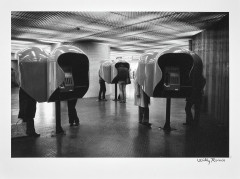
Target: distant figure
{"type": "Point", "coordinates": [123, 76]}
{"type": "Point", "coordinates": [196, 100]}
{"type": "Point", "coordinates": [72, 113]}
{"type": "Point", "coordinates": [142, 100]}
{"type": "Point", "coordinates": [102, 91]}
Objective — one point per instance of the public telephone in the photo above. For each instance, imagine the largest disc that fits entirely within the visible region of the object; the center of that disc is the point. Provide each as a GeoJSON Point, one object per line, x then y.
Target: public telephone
{"type": "Point", "coordinates": [68, 84]}
{"type": "Point", "coordinates": [68, 74]}
{"type": "Point", "coordinates": [172, 78]}
{"type": "Point", "coordinates": [176, 66]}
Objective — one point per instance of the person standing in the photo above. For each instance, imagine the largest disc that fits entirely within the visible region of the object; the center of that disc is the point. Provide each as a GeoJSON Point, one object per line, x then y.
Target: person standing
{"type": "Point", "coordinates": [142, 100]}
{"type": "Point", "coordinates": [123, 75]}
{"type": "Point", "coordinates": [102, 91]}
{"type": "Point", "coordinates": [195, 100]}
{"type": "Point", "coordinates": [122, 91]}
{"type": "Point", "coordinates": [27, 112]}
{"type": "Point", "coordinates": [22, 101]}
{"type": "Point", "coordinates": [72, 112]}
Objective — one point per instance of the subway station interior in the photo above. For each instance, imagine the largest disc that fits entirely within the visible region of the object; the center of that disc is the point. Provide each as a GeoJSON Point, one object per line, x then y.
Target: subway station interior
{"type": "Point", "coordinates": [58, 57]}
{"type": "Point", "coordinates": [110, 128]}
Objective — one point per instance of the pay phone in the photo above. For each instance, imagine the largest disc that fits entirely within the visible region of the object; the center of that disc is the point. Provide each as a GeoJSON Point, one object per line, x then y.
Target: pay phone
{"type": "Point", "coordinates": [176, 67]}
{"type": "Point", "coordinates": [68, 84]}
{"type": "Point", "coordinates": [172, 79]}
{"type": "Point", "coordinates": [68, 74]}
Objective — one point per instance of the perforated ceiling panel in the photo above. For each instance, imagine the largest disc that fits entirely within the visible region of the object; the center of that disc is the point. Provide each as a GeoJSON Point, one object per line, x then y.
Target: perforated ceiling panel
{"type": "Point", "coordinates": [123, 31]}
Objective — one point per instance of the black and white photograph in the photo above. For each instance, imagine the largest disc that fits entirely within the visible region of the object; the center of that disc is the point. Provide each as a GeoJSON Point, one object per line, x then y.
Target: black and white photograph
{"type": "Point", "coordinates": [121, 90]}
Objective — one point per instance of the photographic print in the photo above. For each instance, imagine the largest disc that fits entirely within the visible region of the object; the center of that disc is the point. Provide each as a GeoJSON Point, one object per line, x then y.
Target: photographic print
{"type": "Point", "coordinates": [120, 89]}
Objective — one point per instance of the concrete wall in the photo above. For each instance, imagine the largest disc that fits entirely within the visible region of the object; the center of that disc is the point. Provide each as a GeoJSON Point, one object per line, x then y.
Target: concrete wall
{"type": "Point", "coordinates": [212, 45]}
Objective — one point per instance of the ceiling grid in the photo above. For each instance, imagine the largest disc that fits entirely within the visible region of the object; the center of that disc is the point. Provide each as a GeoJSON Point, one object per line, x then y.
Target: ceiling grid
{"type": "Point", "coordinates": [123, 31]}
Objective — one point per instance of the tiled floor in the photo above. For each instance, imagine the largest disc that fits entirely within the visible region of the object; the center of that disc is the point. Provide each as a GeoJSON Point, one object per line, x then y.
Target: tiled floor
{"type": "Point", "coordinates": [111, 129]}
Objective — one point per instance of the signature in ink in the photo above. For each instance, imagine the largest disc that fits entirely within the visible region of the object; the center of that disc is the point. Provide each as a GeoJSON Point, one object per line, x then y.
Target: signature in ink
{"type": "Point", "coordinates": [210, 160]}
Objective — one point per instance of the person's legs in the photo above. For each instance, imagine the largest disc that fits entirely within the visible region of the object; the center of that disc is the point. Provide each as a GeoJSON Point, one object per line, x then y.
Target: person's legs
{"type": "Point", "coordinates": [189, 116]}
{"type": "Point", "coordinates": [29, 115]}
{"type": "Point", "coordinates": [22, 102]}
{"type": "Point", "coordinates": [124, 92]}
{"type": "Point", "coordinates": [100, 93]}
{"type": "Point", "coordinates": [103, 91]}
{"type": "Point", "coordinates": [122, 88]}
{"type": "Point", "coordinates": [72, 112]}
{"type": "Point", "coordinates": [103, 96]}
{"type": "Point", "coordinates": [120, 92]}
{"type": "Point", "coordinates": [197, 110]}
{"type": "Point", "coordinates": [146, 117]}
{"type": "Point", "coordinates": [140, 114]}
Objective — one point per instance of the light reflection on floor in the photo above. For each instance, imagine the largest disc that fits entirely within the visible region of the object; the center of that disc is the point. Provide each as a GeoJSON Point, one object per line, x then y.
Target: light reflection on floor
{"type": "Point", "coordinates": [111, 129]}
{"type": "Point", "coordinates": [45, 112]}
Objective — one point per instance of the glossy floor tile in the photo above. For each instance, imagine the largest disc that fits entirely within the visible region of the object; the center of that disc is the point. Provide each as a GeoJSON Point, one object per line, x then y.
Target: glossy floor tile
{"type": "Point", "coordinates": [111, 129]}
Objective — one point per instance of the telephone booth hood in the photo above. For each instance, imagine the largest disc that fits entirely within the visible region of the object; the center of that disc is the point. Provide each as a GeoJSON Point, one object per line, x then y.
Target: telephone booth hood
{"type": "Point", "coordinates": [105, 71]}
{"type": "Point", "coordinates": [122, 62]}
{"type": "Point", "coordinates": [148, 74]}
{"type": "Point", "coordinates": [68, 73]}
{"type": "Point", "coordinates": [179, 65]}
{"type": "Point", "coordinates": [33, 72]}
{"type": "Point", "coordinates": [109, 72]}
{"type": "Point", "coordinates": [116, 71]}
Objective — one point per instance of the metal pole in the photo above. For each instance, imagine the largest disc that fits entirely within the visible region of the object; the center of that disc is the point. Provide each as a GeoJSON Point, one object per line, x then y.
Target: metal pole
{"type": "Point", "coordinates": [58, 117]}
{"type": "Point", "coordinates": [115, 99]}
{"type": "Point", "coordinates": [168, 107]}
{"type": "Point", "coordinates": [116, 91]}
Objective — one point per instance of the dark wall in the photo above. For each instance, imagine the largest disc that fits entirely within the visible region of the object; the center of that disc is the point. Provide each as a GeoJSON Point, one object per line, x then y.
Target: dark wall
{"type": "Point", "coordinates": [14, 73]}
{"type": "Point", "coordinates": [212, 45]}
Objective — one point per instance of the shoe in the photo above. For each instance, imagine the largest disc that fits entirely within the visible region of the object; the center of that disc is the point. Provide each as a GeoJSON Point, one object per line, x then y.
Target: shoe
{"type": "Point", "coordinates": [195, 123]}
{"type": "Point", "coordinates": [98, 100]}
{"type": "Point", "coordinates": [104, 99]}
{"type": "Point", "coordinates": [187, 123]}
{"type": "Point", "coordinates": [76, 124]}
{"type": "Point", "coordinates": [147, 124]}
{"type": "Point", "coordinates": [34, 134]}
{"type": "Point", "coordinates": [71, 124]}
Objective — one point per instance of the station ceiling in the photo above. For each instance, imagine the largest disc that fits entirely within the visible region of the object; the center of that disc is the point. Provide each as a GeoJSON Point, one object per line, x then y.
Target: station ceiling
{"type": "Point", "coordinates": [123, 31]}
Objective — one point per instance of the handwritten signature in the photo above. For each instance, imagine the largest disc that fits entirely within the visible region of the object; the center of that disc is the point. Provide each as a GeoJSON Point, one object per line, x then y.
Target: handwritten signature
{"type": "Point", "coordinates": [210, 160]}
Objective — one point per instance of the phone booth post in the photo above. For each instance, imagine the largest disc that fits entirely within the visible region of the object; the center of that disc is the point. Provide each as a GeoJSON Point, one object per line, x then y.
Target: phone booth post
{"type": "Point", "coordinates": [110, 72]}
{"type": "Point", "coordinates": [172, 74]}
{"type": "Point", "coordinates": [68, 77]}
{"type": "Point", "coordinates": [64, 75]}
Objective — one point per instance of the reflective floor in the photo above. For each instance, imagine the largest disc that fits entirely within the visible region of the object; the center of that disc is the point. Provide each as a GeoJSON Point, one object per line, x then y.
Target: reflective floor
{"type": "Point", "coordinates": [111, 129]}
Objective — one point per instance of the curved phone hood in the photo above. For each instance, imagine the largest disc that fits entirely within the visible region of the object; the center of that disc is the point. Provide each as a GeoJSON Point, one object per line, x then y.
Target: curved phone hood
{"type": "Point", "coordinates": [33, 72]}
{"type": "Point", "coordinates": [169, 73]}
{"type": "Point", "coordinates": [68, 69]}
{"type": "Point", "coordinates": [62, 75]}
